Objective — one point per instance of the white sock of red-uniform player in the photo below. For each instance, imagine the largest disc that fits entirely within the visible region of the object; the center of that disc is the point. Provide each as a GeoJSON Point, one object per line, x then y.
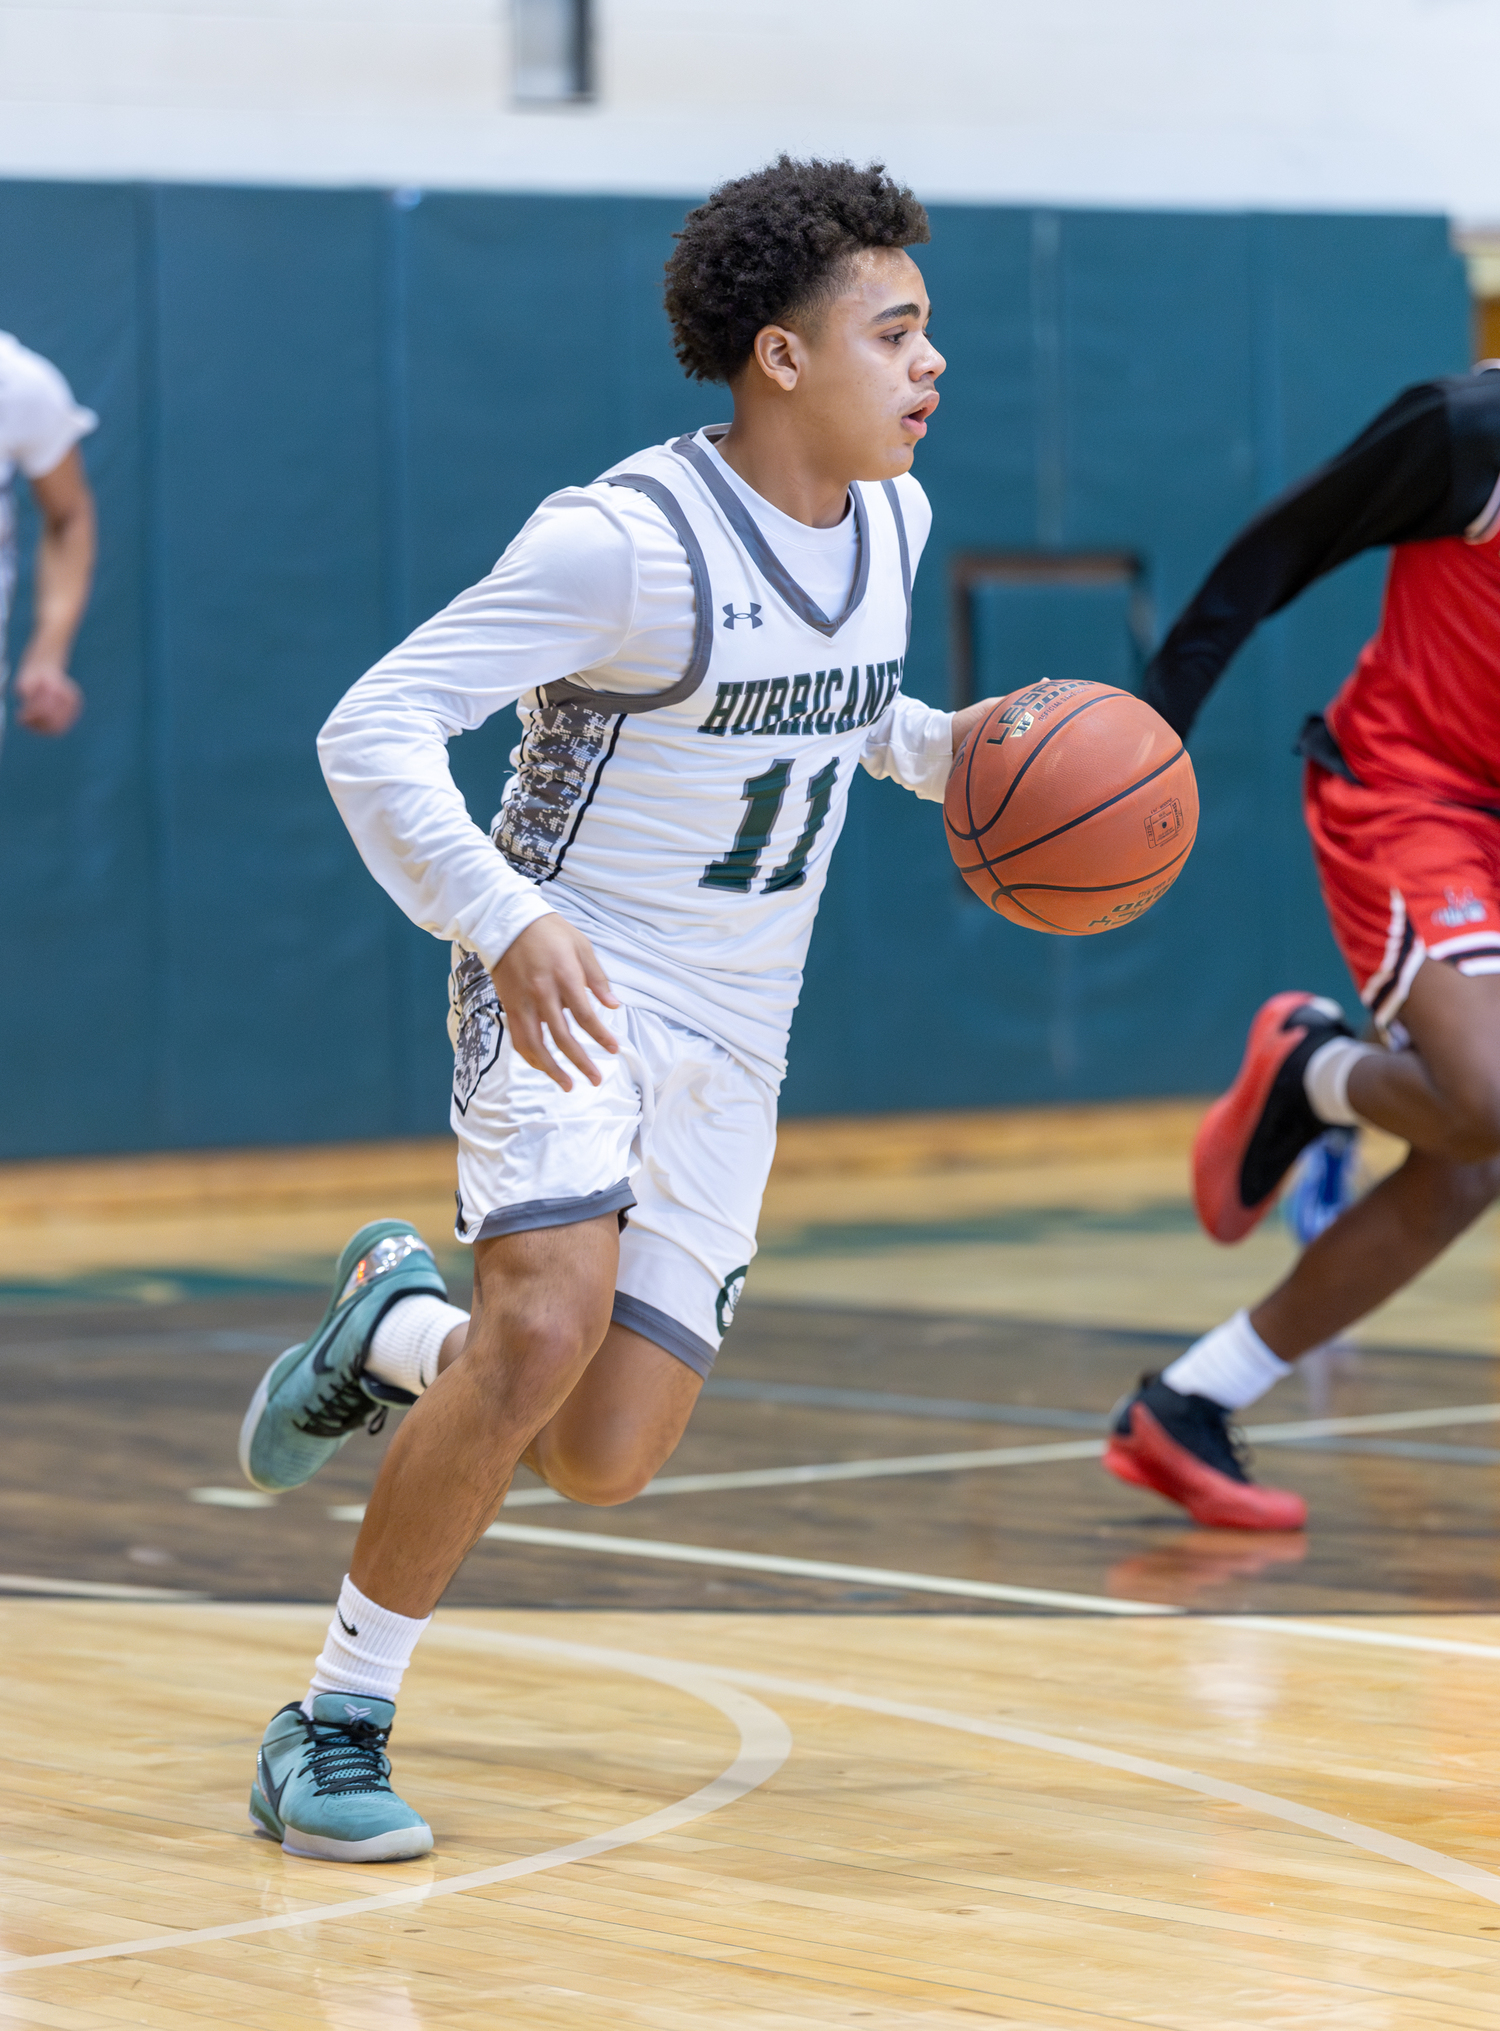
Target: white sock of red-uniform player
{"type": "Point", "coordinates": [1325, 1080]}
{"type": "Point", "coordinates": [1232, 1366]}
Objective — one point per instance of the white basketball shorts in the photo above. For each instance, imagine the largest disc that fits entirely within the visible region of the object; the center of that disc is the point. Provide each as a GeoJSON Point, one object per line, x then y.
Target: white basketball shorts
{"type": "Point", "coordinates": [678, 1137]}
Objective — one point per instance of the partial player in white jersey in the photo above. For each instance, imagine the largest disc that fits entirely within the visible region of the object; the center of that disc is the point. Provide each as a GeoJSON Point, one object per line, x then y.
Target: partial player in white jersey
{"type": "Point", "coordinates": [40, 428]}
{"type": "Point", "coordinates": [703, 646]}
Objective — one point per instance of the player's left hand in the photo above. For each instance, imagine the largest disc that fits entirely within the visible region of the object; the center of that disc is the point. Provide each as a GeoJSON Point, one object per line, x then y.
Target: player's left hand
{"type": "Point", "coordinates": [47, 699]}
{"type": "Point", "coordinates": [965, 722]}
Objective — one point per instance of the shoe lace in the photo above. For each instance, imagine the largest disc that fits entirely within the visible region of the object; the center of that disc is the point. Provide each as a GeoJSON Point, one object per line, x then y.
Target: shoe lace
{"type": "Point", "coordinates": [1239, 1446]}
{"type": "Point", "coordinates": [345, 1756]}
{"type": "Point", "coordinates": [341, 1410]}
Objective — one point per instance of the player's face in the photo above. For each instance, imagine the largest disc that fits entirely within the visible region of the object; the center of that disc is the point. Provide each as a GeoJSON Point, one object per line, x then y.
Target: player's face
{"type": "Point", "coordinates": [870, 369]}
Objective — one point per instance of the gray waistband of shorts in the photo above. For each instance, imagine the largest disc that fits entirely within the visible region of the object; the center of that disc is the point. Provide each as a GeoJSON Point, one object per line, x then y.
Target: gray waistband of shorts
{"type": "Point", "coordinates": [555, 1212]}
{"type": "Point", "coordinates": [665, 1331]}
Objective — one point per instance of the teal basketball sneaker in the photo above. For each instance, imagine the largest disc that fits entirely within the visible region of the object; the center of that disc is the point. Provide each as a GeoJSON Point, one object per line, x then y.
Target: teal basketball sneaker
{"type": "Point", "coordinates": [315, 1394]}
{"type": "Point", "coordinates": [323, 1786]}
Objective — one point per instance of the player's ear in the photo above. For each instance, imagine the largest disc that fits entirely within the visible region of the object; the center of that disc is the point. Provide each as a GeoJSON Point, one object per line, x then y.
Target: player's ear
{"type": "Point", "coordinates": [778, 354]}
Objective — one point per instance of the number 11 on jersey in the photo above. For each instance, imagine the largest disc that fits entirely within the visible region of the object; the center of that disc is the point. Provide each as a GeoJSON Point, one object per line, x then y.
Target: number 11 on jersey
{"type": "Point", "coordinates": [763, 796]}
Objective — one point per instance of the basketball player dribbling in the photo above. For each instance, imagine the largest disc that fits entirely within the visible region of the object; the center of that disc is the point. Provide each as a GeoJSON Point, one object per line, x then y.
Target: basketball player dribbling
{"type": "Point", "coordinates": [703, 645]}
{"type": "Point", "coordinates": [1402, 799]}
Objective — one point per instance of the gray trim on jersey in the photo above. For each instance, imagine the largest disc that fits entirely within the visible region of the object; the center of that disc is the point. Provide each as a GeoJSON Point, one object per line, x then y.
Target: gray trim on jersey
{"type": "Point", "coordinates": [555, 1212]}
{"type": "Point", "coordinates": [664, 1332]}
{"type": "Point", "coordinates": [766, 562]}
{"type": "Point", "coordinates": [569, 692]}
{"type": "Point", "coordinates": [888, 488]}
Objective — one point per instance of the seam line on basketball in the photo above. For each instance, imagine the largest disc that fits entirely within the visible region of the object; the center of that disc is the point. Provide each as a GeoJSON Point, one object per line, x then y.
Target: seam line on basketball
{"type": "Point", "coordinates": [1084, 816]}
{"type": "Point", "coordinates": [1013, 889]}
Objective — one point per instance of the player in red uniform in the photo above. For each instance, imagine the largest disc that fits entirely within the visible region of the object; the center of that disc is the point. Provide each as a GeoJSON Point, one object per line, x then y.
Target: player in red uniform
{"type": "Point", "coordinates": [1402, 799]}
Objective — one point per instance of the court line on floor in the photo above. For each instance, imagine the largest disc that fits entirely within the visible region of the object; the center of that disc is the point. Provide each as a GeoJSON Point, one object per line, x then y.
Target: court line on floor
{"type": "Point", "coordinates": [819, 1569]}
{"type": "Point", "coordinates": [878, 1403]}
{"type": "Point", "coordinates": [765, 1744]}
{"type": "Point", "coordinates": [1391, 1847]}
{"type": "Point", "coordinates": [1307, 1432]}
{"type": "Point", "coordinates": [1334, 1632]}
{"type": "Point", "coordinates": [93, 1590]}
{"type": "Point", "coordinates": [1374, 1421]}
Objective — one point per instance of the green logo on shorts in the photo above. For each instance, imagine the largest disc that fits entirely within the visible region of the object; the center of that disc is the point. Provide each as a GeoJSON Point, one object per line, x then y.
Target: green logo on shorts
{"type": "Point", "coordinates": [729, 1296]}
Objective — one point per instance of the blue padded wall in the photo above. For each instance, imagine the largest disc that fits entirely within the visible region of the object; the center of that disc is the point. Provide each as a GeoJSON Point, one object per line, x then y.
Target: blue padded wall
{"type": "Point", "coordinates": [325, 412]}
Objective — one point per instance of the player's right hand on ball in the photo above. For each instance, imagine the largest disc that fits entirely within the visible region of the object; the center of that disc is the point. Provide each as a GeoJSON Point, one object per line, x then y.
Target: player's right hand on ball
{"type": "Point", "coordinates": [549, 973]}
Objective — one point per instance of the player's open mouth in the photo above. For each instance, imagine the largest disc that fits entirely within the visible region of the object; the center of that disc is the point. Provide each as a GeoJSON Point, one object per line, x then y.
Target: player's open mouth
{"type": "Point", "coordinates": [915, 420]}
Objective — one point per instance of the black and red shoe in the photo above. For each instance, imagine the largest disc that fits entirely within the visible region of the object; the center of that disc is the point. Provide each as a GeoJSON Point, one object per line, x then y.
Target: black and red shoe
{"type": "Point", "coordinates": [1186, 1449]}
{"type": "Point", "coordinates": [1250, 1138]}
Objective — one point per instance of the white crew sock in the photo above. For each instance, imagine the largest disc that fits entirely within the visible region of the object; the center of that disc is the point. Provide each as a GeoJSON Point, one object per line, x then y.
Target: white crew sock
{"type": "Point", "coordinates": [1232, 1366]}
{"type": "Point", "coordinates": [1325, 1080]}
{"type": "Point", "coordinates": [366, 1650]}
{"type": "Point", "coordinates": [405, 1346]}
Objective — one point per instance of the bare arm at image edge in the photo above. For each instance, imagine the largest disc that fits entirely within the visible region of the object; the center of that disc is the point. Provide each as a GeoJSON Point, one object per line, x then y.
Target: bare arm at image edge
{"type": "Point", "coordinates": [47, 699]}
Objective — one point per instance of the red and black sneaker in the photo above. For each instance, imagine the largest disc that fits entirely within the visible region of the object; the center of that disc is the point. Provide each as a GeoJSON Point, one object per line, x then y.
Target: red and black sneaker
{"type": "Point", "coordinates": [1186, 1449]}
{"type": "Point", "coordinates": [1249, 1139]}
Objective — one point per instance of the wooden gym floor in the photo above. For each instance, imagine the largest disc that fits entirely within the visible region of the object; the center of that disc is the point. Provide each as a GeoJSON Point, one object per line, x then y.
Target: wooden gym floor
{"type": "Point", "coordinates": [886, 1706]}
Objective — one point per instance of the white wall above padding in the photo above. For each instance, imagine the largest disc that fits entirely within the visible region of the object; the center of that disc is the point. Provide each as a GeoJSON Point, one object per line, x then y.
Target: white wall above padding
{"type": "Point", "coordinates": [1364, 104]}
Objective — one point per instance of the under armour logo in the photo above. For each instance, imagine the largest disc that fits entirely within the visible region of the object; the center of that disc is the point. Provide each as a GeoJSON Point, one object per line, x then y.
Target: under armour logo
{"type": "Point", "coordinates": [348, 1627]}
{"type": "Point", "coordinates": [753, 616]}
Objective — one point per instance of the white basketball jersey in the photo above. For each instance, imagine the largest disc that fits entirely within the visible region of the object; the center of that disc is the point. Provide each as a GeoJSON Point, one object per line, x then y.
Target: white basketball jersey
{"type": "Point", "coordinates": [689, 833]}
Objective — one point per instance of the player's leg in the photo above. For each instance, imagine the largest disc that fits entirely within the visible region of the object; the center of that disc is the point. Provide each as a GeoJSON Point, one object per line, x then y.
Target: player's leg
{"type": "Point", "coordinates": [1374, 1249]}
{"type": "Point", "coordinates": [1443, 1095]}
{"type": "Point", "coordinates": [708, 1130]}
{"type": "Point", "coordinates": [323, 1778]}
{"type": "Point", "coordinates": [1302, 1072]}
{"type": "Point", "coordinates": [1446, 1104]}
{"type": "Point", "coordinates": [618, 1426]}
{"type": "Point", "coordinates": [621, 1423]}
{"type": "Point", "coordinates": [543, 1180]}
{"type": "Point", "coordinates": [543, 1306]}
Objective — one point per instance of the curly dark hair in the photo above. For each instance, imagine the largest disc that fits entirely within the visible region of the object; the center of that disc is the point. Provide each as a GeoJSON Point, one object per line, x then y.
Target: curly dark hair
{"type": "Point", "coordinates": [773, 244]}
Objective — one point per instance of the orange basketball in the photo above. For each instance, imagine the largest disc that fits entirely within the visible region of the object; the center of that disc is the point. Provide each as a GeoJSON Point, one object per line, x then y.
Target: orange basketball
{"type": "Point", "coordinates": [1071, 808]}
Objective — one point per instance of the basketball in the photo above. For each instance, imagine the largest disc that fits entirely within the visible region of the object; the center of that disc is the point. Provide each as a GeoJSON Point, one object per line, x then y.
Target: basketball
{"type": "Point", "coordinates": [1071, 808]}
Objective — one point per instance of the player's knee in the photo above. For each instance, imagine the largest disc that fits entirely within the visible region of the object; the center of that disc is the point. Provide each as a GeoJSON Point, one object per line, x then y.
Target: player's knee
{"type": "Point", "coordinates": [601, 1483]}
{"type": "Point", "coordinates": [532, 1355]}
{"type": "Point", "coordinates": [1476, 1133]}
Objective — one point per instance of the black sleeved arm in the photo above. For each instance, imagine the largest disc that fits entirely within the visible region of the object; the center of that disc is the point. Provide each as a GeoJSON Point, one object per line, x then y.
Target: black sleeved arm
{"type": "Point", "coordinates": [1425, 467]}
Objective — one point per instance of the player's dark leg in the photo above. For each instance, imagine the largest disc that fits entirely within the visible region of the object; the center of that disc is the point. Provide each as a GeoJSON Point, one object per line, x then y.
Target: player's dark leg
{"type": "Point", "coordinates": [1444, 1096]}
{"type": "Point", "coordinates": [1374, 1250]}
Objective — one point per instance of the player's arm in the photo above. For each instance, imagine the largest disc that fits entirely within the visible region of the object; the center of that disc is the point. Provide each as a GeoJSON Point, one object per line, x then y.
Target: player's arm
{"type": "Point", "coordinates": [912, 744]}
{"type": "Point", "coordinates": [1415, 473]}
{"type": "Point", "coordinates": [558, 602]}
{"type": "Point", "coordinates": [47, 699]}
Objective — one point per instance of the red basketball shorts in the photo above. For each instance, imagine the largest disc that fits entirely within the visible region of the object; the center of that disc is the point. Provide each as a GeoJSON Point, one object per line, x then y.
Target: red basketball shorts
{"type": "Point", "coordinates": [1406, 877]}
